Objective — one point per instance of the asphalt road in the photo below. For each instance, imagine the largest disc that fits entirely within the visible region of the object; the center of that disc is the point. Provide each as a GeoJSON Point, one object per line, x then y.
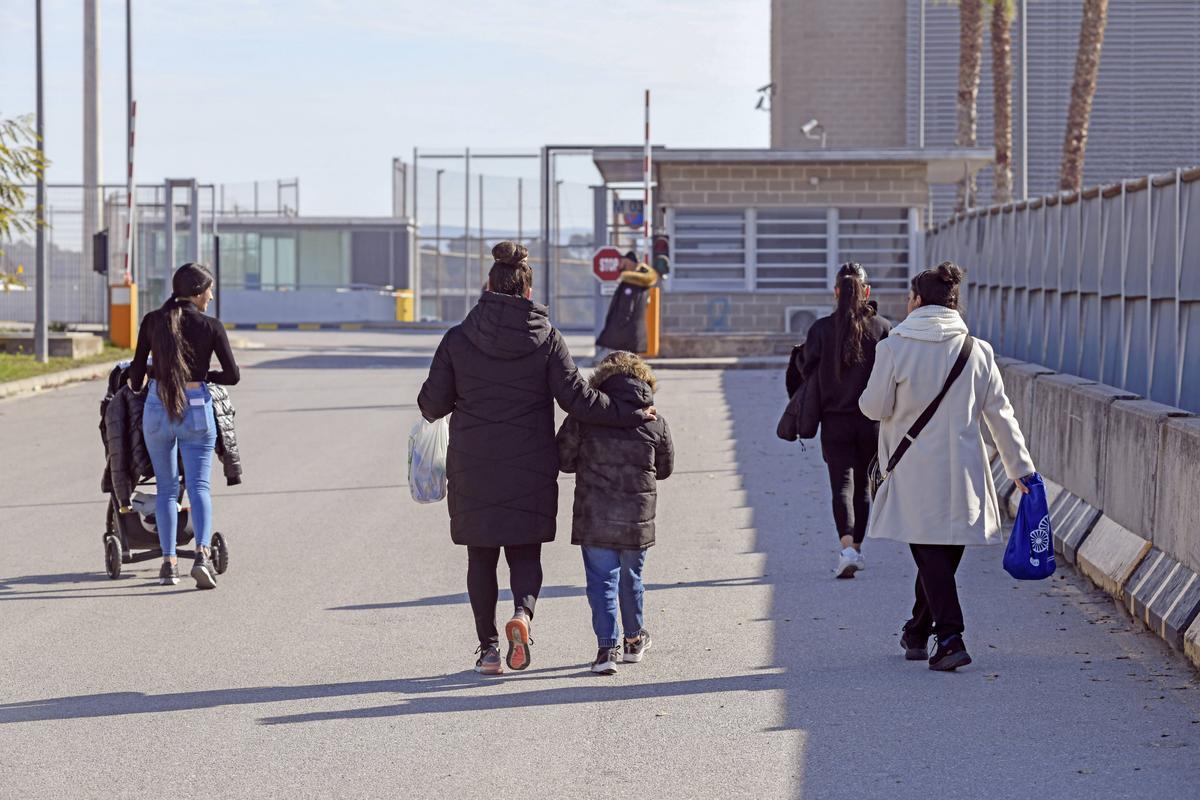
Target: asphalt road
{"type": "Point", "coordinates": [334, 659]}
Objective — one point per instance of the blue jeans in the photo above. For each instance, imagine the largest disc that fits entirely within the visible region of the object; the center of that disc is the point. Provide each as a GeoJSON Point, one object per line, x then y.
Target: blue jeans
{"type": "Point", "coordinates": [193, 437]}
{"type": "Point", "coordinates": [611, 573]}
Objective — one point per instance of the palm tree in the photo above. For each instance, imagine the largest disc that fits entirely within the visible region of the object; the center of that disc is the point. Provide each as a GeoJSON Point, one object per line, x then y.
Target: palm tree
{"type": "Point", "coordinates": [1002, 74]}
{"type": "Point", "coordinates": [1083, 90]}
{"type": "Point", "coordinates": [970, 65]}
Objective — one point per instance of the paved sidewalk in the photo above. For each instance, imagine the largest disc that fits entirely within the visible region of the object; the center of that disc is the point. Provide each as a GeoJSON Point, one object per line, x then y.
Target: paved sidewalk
{"type": "Point", "coordinates": [334, 659]}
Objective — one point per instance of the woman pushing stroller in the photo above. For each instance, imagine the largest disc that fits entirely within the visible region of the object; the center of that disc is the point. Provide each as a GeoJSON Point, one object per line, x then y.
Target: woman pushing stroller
{"type": "Point", "coordinates": [178, 418]}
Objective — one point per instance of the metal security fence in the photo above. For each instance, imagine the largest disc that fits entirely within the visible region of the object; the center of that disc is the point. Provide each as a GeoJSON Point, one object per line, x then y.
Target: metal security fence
{"type": "Point", "coordinates": [77, 295]}
{"type": "Point", "coordinates": [1103, 283]}
{"type": "Point", "coordinates": [461, 212]}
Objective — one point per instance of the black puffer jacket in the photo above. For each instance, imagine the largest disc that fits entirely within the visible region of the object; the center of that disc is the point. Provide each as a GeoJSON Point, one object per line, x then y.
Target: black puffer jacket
{"type": "Point", "coordinates": [500, 372]}
{"type": "Point", "coordinates": [227, 445]}
{"type": "Point", "coordinates": [128, 459]}
{"type": "Point", "coordinates": [625, 325]}
{"type": "Point", "coordinates": [616, 471]}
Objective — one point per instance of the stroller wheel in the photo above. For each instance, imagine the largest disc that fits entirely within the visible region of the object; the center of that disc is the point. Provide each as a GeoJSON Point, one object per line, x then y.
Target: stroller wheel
{"type": "Point", "coordinates": [112, 557]}
{"type": "Point", "coordinates": [220, 553]}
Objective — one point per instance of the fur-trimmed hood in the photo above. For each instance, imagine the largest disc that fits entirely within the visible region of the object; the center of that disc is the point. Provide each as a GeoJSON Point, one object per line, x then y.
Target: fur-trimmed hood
{"type": "Point", "coordinates": [623, 363]}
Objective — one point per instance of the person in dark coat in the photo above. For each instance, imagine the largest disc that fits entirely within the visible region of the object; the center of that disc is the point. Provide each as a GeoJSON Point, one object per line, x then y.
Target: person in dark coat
{"type": "Point", "coordinates": [499, 374]}
{"type": "Point", "coordinates": [616, 496]}
{"type": "Point", "coordinates": [840, 352]}
{"type": "Point", "coordinates": [625, 325]}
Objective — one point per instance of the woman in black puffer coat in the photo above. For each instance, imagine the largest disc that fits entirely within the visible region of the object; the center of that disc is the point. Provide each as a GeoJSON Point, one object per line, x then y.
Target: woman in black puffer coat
{"type": "Point", "coordinates": [500, 372]}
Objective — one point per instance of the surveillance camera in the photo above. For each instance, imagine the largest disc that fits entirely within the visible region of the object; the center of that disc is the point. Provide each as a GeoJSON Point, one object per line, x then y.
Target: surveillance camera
{"type": "Point", "coordinates": [809, 127]}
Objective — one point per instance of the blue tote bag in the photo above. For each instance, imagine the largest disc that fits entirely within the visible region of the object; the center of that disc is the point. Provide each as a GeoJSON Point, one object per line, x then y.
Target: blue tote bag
{"type": "Point", "coordinates": [1030, 552]}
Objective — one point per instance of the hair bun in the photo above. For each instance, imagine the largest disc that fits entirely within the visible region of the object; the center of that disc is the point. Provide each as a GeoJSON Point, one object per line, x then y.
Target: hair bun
{"type": "Point", "coordinates": [511, 254]}
{"type": "Point", "coordinates": [950, 273]}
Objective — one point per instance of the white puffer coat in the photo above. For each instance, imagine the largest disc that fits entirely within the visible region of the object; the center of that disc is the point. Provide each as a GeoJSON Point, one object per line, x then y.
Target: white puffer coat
{"type": "Point", "coordinates": [941, 492]}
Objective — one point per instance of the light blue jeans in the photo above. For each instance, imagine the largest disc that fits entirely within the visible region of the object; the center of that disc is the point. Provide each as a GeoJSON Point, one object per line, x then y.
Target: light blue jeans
{"type": "Point", "coordinates": [193, 438]}
{"type": "Point", "coordinates": [612, 574]}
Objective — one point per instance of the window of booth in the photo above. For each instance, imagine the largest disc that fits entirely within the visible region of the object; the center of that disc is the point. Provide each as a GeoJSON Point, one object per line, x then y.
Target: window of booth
{"type": "Point", "coordinates": [709, 248]}
{"type": "Point", "coordinates": [789, 249]}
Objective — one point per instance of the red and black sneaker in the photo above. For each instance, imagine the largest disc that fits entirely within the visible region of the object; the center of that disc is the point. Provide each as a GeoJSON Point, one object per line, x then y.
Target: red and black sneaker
{"type": "Point", "coordinates": [489, 660]}
{"type": "Point", "coordinates": [951, 654]}
{"type": "Point", "coordinates": [517, 631]}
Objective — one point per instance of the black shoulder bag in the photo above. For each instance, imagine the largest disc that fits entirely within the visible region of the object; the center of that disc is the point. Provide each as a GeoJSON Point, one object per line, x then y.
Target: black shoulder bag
{"type": "Point", "coordinates": [874, 474]}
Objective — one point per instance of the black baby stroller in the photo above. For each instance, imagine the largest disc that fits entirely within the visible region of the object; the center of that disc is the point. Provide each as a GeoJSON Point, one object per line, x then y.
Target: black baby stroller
{"type": "Point", "coordinates": [136, 529]}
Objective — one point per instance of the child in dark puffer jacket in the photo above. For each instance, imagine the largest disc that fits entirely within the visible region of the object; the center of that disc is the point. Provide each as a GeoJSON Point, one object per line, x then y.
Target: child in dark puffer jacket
{"type": "Point", "coordinates": [615, 498]}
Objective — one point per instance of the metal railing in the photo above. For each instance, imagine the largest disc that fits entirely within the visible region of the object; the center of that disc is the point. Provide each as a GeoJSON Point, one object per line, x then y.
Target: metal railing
{"type": "Point", "coordinates": [1103, 283]}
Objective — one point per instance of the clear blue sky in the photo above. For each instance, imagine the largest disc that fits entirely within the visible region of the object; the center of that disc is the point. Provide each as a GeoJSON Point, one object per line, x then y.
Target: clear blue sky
{"type": "Point", "coordinates": [330, 90]}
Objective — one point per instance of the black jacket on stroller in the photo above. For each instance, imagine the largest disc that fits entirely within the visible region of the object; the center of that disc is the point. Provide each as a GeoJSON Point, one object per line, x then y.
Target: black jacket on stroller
{"type": "Point", "coordinates": [128, 460]}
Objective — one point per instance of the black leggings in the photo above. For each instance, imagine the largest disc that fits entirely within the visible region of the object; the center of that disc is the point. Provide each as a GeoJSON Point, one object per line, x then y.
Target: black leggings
{"type": "Point", "coordinates": [848, 442]}
{"type": "Point", "coordinates": [524, 578]}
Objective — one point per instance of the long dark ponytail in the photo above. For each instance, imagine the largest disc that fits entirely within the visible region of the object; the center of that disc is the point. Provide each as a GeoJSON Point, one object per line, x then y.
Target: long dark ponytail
{"type": "Point", "coordinates": [167, 344]}
{"type": "Point", "coordinates": [850, 316]}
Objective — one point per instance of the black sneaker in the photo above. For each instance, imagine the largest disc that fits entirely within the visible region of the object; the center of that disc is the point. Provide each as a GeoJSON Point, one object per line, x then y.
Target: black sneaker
{"type": "Point", "coordinates": [606, 661]}
{"type": "Point", "coordinates": [517, 631]}
{"type": "Point", "coordinates": [168, 574]}
{"type": "Point", "coordinates": [950, 654]}
{"type": "Point", "coordinates": [635, 649]}
{"type": "Point", "coordinates": [204, 572]}
{"type": "Point", "coordinates": [489, 660]}
{"type": "Point", "coordinates": [916, 648]}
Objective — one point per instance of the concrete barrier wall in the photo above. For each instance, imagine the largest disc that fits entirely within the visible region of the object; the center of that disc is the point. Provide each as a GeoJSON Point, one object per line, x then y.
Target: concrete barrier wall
{"type": "Point", "coordinates": [1134, 442]}
{"type": "Point", "coordinates": [1177, 499]}
{"type": "Point", "coordinates": [1125, 474]}
{"type": "Point", "coordinates": [307, 305]}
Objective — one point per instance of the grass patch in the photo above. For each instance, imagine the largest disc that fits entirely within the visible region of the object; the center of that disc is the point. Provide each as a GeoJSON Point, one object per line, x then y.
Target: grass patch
{"type": "Point", "coordinates": [18, 367]}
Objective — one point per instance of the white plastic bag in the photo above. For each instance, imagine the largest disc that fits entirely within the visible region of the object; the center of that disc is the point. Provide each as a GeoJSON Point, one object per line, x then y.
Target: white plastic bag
{"type": "Point", "coordinates": [427, 445]}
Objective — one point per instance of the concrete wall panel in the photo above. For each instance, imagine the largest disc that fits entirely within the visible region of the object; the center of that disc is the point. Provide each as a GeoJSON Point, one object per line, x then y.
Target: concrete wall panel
{"type": "Point", "coordinates": [1048, 428]}
{"type": "Point", "coordinates": [1131, 470]}
{"type": "Point", "coordinates": [1018, 385]}
{"type": "Point", "coordinates": [1176, 513]}
{"type": "Point", "coordinates": [1085, 418]}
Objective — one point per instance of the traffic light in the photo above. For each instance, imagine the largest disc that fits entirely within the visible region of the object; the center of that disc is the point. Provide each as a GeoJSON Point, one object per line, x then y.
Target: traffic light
{"type": "Point", "coordinates": [100, 252]}
{"type": "Point", "coordinates": [661, 250]}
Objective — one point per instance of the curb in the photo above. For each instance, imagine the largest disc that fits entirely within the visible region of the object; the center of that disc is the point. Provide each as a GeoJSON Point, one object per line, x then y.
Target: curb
{"type": "Point", "coordinates": [1165, 595]}
{"type": "Point", "coordinates": [1110, 555]}
{"type": "Point", "coordinates": [733, 362]}
{"type": "Point", "coordinates": [54, 380]}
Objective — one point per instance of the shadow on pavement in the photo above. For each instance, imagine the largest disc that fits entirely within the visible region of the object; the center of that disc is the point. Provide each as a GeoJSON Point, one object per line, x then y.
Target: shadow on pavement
{"type": "Point", "coordinates": [346, 361]}
{"type": "Point", "coordinates": [547, 592]}
{"type": "Point", "coordinates": [566, 695]}
{"type": "Point", "coordinates": [389, 407]}
{"type": "Point", "coordinates": [51, 580]}
{"type": "Point", "coordinates": [114, 704]}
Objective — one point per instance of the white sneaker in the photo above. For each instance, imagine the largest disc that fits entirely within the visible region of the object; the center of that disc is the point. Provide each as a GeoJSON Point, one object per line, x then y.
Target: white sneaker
{"type": "Point", "coordinates": [849, 562]}
{"type": "Point", "coordinates": [862, 562]}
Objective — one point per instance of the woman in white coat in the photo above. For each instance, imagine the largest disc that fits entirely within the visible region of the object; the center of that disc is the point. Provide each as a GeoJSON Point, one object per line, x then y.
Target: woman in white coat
{"type": "Point", "coordinates": [940, 498]}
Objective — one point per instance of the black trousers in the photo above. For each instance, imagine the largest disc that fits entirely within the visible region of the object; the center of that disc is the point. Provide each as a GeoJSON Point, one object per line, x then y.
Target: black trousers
{"type": "Point", "coordinates": [524, 578]}
{"type": "Point", "coordinates": [936, 609]}
{"type": "Point", "coordinates": [848, 442]}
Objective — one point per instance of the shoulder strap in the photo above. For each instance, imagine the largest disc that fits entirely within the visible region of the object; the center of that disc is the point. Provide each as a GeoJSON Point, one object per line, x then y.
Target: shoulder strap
{"type": "Point", "coordinates": [959, 364]}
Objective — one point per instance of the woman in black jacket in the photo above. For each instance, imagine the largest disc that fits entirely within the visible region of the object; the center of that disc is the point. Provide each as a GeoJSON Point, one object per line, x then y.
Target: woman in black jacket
{"type": "Point", "coordinates": [840, 351]}
{"type": "Point", "coordinates": [500, 372]}
{"type": "Point", "coordinates": [178, 416]}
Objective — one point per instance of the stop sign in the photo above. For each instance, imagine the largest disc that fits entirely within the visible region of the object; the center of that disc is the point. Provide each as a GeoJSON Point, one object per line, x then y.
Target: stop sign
{"type": "Point", "coordinates": [606, 264]}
